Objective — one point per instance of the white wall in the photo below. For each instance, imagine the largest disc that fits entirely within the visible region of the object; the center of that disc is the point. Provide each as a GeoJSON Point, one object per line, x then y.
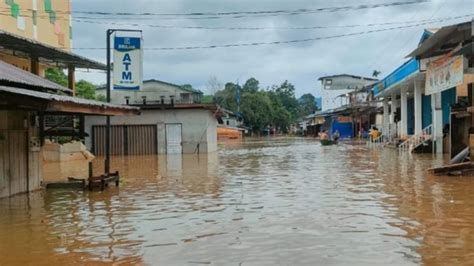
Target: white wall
{"type": "Point", "coordinates": [339, 85]}
{"type": "Point", "coordinates": [152, 90]}
{"type": "Point", "coordinates": [199, 126]}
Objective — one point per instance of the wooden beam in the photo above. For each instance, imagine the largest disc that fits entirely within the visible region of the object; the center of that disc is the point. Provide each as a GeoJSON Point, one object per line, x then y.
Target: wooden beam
{"type": "Point", "coordinates": [75, 108]}
{"type": "Point", "coordinates": [71, 79]}
{"type": "Point", "coordinates": [34, 67]}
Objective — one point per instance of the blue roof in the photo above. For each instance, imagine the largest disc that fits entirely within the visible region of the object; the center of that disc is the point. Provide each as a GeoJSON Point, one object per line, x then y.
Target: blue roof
{"type": "Point", "coordinates": [409, 68]}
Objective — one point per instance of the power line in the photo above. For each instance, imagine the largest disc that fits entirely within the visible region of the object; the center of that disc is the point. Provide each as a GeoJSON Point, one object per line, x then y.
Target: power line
{"type": "Point", "coordinates": [232, 14]}
{"type": "Point", "coordinates": [273, 28]}
{"type": "Point", "coordinates": [267, 43]}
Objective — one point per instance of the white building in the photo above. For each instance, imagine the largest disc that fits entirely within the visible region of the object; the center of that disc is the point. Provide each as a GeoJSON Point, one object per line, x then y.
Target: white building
{"type": "Point", "coordinates": [336, 85]}
{"type": "Point", "coordinates": [172, 121]}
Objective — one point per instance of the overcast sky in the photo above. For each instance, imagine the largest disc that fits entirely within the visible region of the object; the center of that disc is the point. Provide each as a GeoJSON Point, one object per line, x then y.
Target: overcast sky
{"type": "Point", "coordinates": [300, 63]}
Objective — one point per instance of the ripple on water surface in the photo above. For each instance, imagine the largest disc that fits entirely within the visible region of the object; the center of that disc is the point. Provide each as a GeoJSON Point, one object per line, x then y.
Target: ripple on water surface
{"type": "Point", "coordinates": [287, 201]}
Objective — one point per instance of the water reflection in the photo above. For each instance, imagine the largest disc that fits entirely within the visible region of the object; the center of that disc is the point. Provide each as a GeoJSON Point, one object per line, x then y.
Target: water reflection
{"type": "Point", "coordinates": [257, 202]}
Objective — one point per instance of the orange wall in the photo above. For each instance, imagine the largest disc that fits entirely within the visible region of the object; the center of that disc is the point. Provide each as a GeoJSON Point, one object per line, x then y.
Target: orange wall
{"type": "Point", "coordinates": [17, 18]}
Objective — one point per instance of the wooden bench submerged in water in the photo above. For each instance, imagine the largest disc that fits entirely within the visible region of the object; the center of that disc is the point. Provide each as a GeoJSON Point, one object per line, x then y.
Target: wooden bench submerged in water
{"type": "Point", "coordinates": [103, 181]}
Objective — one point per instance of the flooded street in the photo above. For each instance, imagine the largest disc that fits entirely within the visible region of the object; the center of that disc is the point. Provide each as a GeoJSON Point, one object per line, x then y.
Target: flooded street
{"type": "Point", "coordinates": [263, 202]}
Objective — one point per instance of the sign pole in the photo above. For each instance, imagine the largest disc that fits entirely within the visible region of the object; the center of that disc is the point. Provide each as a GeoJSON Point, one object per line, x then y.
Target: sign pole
{"type": "Point", "coordinates": [109, 69]}
{"type": "Point", "coordinates": [107, 128]}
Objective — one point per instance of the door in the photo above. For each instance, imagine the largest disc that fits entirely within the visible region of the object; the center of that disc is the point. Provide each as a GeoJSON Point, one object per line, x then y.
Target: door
{"type": "Point", "coordinates": [126, 140]}
{"type": "Point", "coordinates": [174, 143]}
{"type": "Point", "coordinates": [13, 162]}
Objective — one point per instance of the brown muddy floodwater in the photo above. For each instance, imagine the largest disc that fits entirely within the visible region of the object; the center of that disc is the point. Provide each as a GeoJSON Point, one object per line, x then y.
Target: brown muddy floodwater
{"type": "Point", "coordinates": [285, 202]}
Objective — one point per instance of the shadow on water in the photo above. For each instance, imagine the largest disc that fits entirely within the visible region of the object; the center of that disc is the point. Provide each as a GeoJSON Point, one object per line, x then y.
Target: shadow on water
{"type": "Point", "coordinates": [262, 201]}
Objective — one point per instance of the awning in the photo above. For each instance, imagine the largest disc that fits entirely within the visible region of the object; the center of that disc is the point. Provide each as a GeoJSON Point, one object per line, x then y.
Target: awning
{"type": "Point", "coordinates": [23, 99]}
{"type": "Point", "coordinates": [12, 76]}
{"type": "Point", "coordinates": [440, 38]}
{"type": "Point", "coordinates": [46, 54]}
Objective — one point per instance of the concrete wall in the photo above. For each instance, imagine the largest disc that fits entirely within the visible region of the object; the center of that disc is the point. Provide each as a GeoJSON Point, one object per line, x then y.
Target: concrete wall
{"type": "Point", "coordinates": [199, 126]}
{"type": "Point", "coordinates": [63, 161]}
{"type": "Point", "coordinates": [231, 121]}
{"type": "Point", "coordinates": [153, 92]}
{"type": "Point", "coordinates": [20, 154]}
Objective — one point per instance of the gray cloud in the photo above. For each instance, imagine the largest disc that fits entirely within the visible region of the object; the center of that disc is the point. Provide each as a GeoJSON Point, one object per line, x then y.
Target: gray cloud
{"type": "Point", "coordinates": [299, 63]}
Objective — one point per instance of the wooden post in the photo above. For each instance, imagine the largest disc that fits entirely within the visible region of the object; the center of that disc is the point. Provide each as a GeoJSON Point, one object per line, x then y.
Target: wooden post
{"type": "Point", "coordinates": [91, 173]}
{"type": "Point", "coordinates": [34, 65]}
{"type": "Point", "coordinates": [91, 170]}
{"type": "Point", "coordinates": [71, 79]}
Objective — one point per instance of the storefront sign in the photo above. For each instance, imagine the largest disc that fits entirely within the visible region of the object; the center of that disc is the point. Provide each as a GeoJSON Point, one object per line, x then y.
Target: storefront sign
{"type": "Point", "coordinates": [127, 63]}
{"type": "Point", "coordinates": [443, 74]}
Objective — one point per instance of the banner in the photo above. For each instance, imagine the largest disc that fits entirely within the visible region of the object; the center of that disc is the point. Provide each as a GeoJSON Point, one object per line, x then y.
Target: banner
{"type": "Point", "coordinates": [443, 74]}
{"type": "Point", "coordinates": [127, 63]}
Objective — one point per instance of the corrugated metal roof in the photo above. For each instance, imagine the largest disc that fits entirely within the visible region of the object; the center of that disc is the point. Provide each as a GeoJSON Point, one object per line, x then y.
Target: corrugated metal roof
{"type": "Point", "coordinates": [48, 97]}
{"type": "Point", "coordinates": [13, 76]}
{"type": "Point", "coordinates": [439, 36]}
{"type": "Point", "coordinates": [46, 53]}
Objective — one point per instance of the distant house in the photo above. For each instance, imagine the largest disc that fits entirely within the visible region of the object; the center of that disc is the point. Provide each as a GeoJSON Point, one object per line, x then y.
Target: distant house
{"type": "Point", "coordinates": [336, 85]}
{"type": "Point", "coordinates": [155, 91]}
{"type": "Point", "coordinates": [230, 126]}
{"type": "Point", "coordinates": [173, 121]}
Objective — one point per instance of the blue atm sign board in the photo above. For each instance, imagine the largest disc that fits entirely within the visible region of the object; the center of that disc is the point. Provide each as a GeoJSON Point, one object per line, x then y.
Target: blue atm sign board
{"type": "Point", "coordinates": [128, 66]}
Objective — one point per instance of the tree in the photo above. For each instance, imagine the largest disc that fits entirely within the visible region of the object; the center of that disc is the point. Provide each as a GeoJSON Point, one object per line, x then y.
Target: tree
{"type": "Point", "coordinates": [187, 87]}
{"type": "Point", "coordinates": [251, 85]}
{"type": "Point", "coordinates": [256, 109]}
{"type": "Point", "coordinates": [213, 85]}
{"type": "Point", "coordinates": [285, 94]}
{"type": "Point", "coordinates": [307, 104]}
{"type": "Point", "coordinates": [226, 97]}
{"type": "Point", "coordinates": [261, 108]}
{"type": "Point", "coordinates": [376, 73]}
{"type": "Point", "coordinates": [56, 75]}
{"type": "Point", "coordinates": [84, 89]}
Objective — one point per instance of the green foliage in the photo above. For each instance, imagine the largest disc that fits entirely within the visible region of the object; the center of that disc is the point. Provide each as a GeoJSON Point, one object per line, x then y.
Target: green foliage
{"type": "Point", "coordinates": [260, 108]}
{"type": "Point", "coordinates": [84, 89]}
{"type": "Point", "coordinates": [187, 87]}
{"type": "Point", "coordinates": [307, 104]}
{"type": "Point", "coordinates": [56, 75]}
{"type": "Point", "coordinates": [257, 110]}
{"type": "Point", "coordinates": [207, 99]}
{"type": "Point", "coordinates": [251, 85]}
{"type": "Point", "coordinates": [226, 97]}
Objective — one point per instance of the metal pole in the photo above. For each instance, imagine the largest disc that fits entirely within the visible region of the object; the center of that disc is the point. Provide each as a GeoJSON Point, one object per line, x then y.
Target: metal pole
{"type": "Point", "coordinates": [107, 128]}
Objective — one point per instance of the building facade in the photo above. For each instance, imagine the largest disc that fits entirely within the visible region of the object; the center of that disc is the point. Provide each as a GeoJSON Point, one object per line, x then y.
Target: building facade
{"type": "Point", "coordinates": [45, 21]}
{"type": "Point", "coordinates": [155, 91]}
{"type": "Point", "coordinates": [173, 121]}
{"type": "Point", "coordinates": [332, 87]}
{"type": "Point", "coordinates": [417, 105]}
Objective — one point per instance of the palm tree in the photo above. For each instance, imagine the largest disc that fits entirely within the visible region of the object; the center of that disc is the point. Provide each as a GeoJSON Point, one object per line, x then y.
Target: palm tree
{"type": "Point", "coordinates": [376, 73]}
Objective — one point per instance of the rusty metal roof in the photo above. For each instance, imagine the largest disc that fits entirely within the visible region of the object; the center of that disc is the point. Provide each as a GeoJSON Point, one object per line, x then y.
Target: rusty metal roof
{"type": "Point", "coordinates": [444, 35]}
{"type": "Point", "coordinates": [46, 54]}
{"type": "Point", "coordinates": [15, 77]}
{"type": "Point", "coordinates": [47, 102]}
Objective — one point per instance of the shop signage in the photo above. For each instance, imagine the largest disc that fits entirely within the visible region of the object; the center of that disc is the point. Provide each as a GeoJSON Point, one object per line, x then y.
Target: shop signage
{"type": "Point", "coordinates": [128, 63]}
{"type": "Point", "coordinates": [443, 74]}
